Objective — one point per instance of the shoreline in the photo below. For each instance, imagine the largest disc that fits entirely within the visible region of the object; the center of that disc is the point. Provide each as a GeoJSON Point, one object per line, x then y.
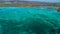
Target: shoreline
{"type": "Point", "coordinates": [30, 4]}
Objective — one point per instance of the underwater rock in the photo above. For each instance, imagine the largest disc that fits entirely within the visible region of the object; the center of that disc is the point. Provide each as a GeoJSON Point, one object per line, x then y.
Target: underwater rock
{"type": "Point", "coordinates": [58, 10]}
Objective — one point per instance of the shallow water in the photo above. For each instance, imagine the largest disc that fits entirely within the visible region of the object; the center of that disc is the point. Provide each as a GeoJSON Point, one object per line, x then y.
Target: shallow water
{"type": "Point", "coordinates": [15, 20]}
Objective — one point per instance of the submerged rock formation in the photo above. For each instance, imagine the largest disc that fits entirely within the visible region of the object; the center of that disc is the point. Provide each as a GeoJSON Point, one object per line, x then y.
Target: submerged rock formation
{"type": "Point", "coordinates": [58, 9]}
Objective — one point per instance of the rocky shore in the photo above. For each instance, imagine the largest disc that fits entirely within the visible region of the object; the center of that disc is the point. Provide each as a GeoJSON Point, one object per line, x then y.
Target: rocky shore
{"type": "Point", "coordinates": [31, 4]}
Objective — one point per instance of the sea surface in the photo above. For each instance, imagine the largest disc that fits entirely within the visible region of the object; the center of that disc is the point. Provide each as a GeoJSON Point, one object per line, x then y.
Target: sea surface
{"type": "Point", "coordinates": [46, 20]}
{"type": "Point", "coordinates": [14, 12]}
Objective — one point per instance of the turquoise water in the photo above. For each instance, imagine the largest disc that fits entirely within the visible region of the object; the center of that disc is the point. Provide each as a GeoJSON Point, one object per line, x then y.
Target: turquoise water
{"type": "Point", "coordinates": [22, 21]}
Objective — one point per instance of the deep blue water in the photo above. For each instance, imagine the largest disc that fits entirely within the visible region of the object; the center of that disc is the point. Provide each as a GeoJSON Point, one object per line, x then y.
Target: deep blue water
{"type": "Point", "coordinates": [37, 20]}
